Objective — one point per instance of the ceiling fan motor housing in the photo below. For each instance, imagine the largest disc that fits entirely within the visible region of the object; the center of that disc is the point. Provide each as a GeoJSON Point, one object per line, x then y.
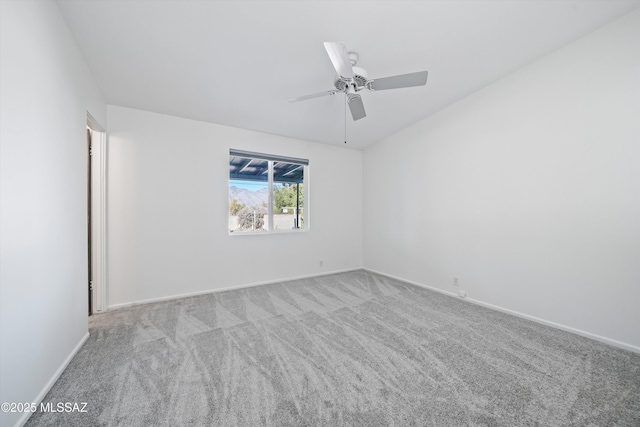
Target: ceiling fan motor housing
{"type": "Point", "coordinates": [360, 78]}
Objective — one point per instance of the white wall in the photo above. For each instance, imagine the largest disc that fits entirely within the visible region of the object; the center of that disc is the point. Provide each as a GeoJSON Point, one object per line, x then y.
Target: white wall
{"type": "Point", "coordinates": [46, 93]}
{"type": "Point", "coordinates": [168, 186]}
{"type": "Point", "coordinates": [528, 190]}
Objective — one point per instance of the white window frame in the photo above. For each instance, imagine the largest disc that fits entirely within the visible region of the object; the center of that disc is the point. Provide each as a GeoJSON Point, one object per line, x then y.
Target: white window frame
{"type": "Point", "coordinates": [271, 160]}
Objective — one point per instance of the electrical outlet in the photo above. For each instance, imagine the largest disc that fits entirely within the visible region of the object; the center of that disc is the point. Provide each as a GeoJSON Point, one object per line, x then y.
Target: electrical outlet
{"type": "Point", "coordinates": [455, 281]}
{"type": "Point", "coordinates": [462, 294]}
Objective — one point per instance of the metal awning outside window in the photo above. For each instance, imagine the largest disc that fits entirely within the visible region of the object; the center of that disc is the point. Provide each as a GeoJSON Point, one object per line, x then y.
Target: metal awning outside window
{"type": "Point", "coordinates": [255, 167]}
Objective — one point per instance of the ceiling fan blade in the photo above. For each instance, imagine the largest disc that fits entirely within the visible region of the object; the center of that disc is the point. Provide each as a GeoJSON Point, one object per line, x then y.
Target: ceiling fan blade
{"type": "Point", "coordinates": [403, 80]}
{"type": "Point", "coordinates": [338, 54]}
{"type": "Point", "coordinates": [356, 106]}
{"type": "Point", "coordinates": [315, 95]}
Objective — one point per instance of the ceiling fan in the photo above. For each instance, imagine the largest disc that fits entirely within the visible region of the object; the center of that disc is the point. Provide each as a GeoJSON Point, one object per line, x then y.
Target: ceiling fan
{"type": "Point", "coordinates": [352, 79]}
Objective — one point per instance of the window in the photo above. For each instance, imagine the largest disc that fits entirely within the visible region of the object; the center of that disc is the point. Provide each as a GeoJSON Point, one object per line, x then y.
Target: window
{"type": "Point", "coordinates": [266, 192]}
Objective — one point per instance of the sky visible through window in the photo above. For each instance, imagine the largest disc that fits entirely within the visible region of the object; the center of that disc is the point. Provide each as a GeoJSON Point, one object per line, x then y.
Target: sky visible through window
{"type": "Point", "coordinates": [248, 185]}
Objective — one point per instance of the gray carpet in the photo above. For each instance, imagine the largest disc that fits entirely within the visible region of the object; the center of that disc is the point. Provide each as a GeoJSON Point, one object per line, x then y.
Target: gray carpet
{"type": "Point", "coordinates": [350, 349]}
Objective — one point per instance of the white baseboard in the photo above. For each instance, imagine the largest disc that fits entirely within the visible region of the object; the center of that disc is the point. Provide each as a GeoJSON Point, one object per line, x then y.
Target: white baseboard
{"type": "Point", "coordinates": [228, 288]}
{"type": "Point", "coordinates": [422, 285]}
{"type": "Point", "coordinates": [580, 332]}
{"type": "Point", "coordinates": [585, 334]}
{"type": "Point", "coordinates": [25, 416]}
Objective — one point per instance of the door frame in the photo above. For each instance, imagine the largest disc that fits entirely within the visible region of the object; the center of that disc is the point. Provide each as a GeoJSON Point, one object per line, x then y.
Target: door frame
{"type": "Point", "coordinates": [98, 213]}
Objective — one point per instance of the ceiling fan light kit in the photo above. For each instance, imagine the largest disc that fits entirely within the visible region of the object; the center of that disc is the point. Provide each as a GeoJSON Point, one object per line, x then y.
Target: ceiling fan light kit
{"type": "Point", "coordinates": [351, 79]}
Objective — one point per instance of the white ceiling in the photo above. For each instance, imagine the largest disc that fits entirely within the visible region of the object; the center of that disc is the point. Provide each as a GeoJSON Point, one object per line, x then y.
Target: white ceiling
{"type": "Point", "coordinates": [236, 62]}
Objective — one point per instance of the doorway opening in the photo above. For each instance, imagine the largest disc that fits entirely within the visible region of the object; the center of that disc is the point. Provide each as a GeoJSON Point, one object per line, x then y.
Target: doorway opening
{"type": "Point", "coordinates": [96, 217]}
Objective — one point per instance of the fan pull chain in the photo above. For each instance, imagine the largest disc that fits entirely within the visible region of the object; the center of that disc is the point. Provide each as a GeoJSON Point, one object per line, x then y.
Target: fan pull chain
{"type": "Point", "coordinates": [345, 119]}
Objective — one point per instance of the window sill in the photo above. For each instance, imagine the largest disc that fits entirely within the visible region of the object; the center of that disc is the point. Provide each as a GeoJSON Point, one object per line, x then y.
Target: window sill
{"type": "Point", "coordinates": [267, 233]}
